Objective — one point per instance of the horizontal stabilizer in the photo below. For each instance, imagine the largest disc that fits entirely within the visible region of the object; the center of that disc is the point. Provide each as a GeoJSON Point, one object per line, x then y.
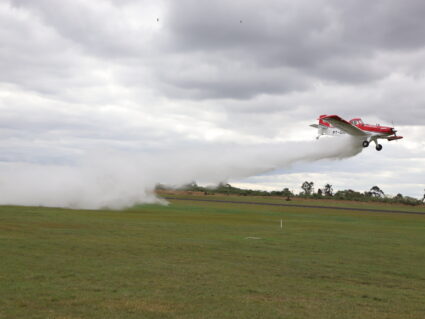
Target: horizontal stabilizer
{"type": "Point", "coordinates": [319, 126]}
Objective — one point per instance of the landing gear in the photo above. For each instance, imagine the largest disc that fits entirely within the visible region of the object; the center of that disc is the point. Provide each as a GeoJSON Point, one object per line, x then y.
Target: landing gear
{"type": "Point", "coordinates": [378, 146]}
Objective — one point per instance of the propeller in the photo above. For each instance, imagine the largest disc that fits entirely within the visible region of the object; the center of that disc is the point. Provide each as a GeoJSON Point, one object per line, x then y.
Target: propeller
{"type": "Point", "coordinates": [394, 130]}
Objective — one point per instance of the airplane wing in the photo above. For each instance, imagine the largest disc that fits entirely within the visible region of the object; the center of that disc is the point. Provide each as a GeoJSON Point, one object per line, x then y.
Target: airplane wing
{"type": "Point", "coordinates": [343, 125]}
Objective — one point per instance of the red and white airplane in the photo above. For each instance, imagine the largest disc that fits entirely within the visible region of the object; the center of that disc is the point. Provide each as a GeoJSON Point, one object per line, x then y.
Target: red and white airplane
{"type": "Point", "coordinates": [334, 125]}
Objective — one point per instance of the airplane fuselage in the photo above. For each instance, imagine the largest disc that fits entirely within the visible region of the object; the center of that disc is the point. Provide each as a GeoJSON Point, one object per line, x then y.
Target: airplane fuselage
{"type": "Point", "coordinates": [376, 131]}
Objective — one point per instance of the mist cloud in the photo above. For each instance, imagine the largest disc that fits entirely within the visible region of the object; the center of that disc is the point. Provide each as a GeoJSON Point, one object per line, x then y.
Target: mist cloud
{"type": "Point", "coordinates": [118, 180]}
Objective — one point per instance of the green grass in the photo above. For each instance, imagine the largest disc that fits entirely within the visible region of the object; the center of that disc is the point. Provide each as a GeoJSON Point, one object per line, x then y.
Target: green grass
{"type": "Point", "coordinates": [193, 260]}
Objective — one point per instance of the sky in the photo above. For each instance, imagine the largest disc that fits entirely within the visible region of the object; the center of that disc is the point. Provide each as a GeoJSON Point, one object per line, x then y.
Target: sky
{"type": "Point", "coordinates": [143, 77]}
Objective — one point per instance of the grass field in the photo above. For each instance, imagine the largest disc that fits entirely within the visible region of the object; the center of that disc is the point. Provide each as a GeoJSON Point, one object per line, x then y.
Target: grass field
{"type": "Point", "coordinates": [210, 260]}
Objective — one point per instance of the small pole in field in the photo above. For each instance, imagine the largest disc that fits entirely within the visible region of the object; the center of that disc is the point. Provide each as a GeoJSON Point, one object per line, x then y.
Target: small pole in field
{"type": "Point", "coordinates": [281, 224]}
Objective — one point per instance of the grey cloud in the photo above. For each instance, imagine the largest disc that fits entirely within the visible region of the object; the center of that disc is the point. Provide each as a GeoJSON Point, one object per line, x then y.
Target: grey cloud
{"type": "Point", "coordinates": [237, 80]}
{"type": "Point", "coordinates": [316, 29]}
{"type": "Point", "coordinates": [324, 40]}
{"type": "Point", "coordinates": [253, 25]}
{"type": "Point", "coordinates": [31, 55]}
{"type": "Point", "coordinates": [393, 25]}
{"type": "Point", "coordinates": [101, 29]}
{"type": "Point", "coordinates": [214, 50]}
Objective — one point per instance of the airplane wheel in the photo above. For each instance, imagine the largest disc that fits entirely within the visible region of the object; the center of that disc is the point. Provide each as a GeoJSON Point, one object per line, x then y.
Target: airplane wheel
{"type": "Point", "coordinates": [365, 143]}
{"type": "Point", "coordinates": [378, 147]}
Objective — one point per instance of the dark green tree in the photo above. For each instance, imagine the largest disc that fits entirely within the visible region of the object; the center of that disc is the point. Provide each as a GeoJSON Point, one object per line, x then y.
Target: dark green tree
{"type": "Point", "coordinates": [287, 193]}
{"type": "Point", "coordinates": [349, 194]}
{"type": "Point", "coordinates": [307, 188]}
{"type": "Point", "coordinates": [328, 190]}
{"type": "Point", "coordinates": [376, 192]}
{"type": "Point", "coordinates": [398, 197]}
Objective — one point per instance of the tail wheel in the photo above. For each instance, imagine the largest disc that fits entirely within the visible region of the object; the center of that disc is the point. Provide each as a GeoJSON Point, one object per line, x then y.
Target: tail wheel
{"type": "Point", "coordinates": [378, 147]}
{"type": "Point", "coordinates": [366, 144]}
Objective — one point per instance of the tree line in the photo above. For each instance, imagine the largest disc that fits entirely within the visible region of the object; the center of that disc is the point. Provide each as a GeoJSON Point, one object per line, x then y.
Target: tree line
{"type": "Point", "coordinates": [375, 193]}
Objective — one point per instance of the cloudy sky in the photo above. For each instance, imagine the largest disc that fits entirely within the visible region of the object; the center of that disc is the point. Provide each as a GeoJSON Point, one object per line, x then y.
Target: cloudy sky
{"type": "Point", "coordinates": [143, 76]}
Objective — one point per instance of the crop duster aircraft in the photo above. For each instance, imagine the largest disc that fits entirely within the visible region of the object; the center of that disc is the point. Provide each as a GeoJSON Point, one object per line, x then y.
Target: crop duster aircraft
{"type": "Point", "coordinates": [335, 125]}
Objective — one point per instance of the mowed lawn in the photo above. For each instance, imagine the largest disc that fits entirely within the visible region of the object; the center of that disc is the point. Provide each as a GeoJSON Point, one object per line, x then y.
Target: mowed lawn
{"type": "Point", "coordinates": [210, 260]}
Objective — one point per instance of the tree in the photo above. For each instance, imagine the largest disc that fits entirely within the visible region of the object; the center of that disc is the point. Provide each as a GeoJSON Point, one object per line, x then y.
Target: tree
{"type": "Point", "coordinates": [160, 187]}
{"type": "Point", "coordinates": [423, 198]}
{"type": "Point", "coordinates": [349, 194]}
{"type": "Point", "coordinates": [319, 192]}
{"type": "Point", "coordinates": [192, 186]}
{"type": "Point", "coordinates": [224, 185]}
{"type": "Point", "coordinates": [307, 187]}
{"type": "Point", "coordinates": [399, 196]}
{"type": "Point", "coordinates": [376, 192]}
{"type": "Point", "coordinates": [287, 193]}
{"type": "Point", "coordinates": [328, 190]}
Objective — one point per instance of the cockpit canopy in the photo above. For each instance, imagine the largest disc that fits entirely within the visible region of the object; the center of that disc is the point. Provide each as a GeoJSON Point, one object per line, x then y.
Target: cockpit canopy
{"type": "Point", "coordinates": [356, 121]}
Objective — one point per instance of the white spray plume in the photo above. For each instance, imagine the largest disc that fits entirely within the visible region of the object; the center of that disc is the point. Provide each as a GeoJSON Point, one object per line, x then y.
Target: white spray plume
{"type": "Point", "coordinates": [118, 180]}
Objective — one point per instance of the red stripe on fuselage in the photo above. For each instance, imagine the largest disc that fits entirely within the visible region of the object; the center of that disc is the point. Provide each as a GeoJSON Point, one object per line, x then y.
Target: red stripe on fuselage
{"type": "Point", "coordinates": [375, 128]}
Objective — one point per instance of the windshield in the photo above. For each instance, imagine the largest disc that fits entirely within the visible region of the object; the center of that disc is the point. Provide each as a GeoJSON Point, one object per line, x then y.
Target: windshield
{"type": "Point", "coordinates": [356, 122]}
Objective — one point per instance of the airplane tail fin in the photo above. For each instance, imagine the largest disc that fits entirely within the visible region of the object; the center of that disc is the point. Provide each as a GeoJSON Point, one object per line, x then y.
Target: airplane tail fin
{"type": "Point", "coordinates": [323, 123]}
{"type": "Point", "coordinates": [324, 128]}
